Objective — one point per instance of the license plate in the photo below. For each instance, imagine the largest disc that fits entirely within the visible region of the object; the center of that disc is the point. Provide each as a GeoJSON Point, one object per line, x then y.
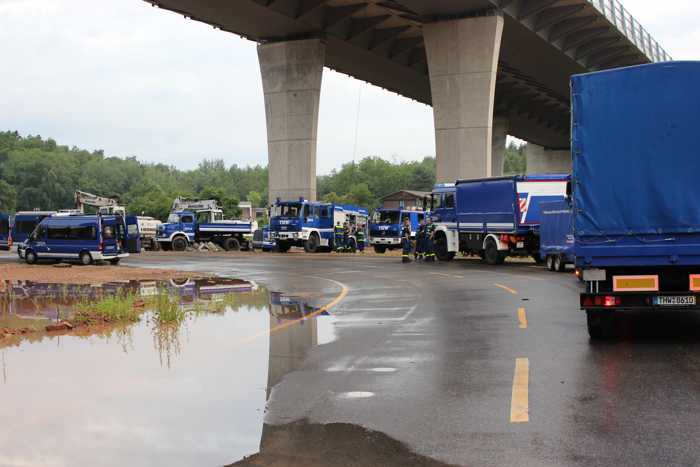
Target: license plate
{"type": "Point", "coordinates": [669, 300]}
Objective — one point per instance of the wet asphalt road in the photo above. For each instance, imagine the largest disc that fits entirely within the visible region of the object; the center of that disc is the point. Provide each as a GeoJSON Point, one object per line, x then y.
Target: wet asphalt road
{"type": "Point", "coordinates": [425, 356]}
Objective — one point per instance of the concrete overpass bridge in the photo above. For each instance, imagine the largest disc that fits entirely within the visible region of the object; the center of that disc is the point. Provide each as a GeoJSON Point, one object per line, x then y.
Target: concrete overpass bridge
{"type": "Point", "coordinates": [488, 67]}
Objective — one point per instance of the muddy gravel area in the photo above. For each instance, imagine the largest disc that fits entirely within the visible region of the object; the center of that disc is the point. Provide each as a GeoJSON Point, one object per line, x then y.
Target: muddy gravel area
{"type": "Point", "coordinates": [73, 274]}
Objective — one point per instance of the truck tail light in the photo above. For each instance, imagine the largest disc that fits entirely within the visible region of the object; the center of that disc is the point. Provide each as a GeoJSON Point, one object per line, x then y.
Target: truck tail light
{"type": "Point", "coordinates": [607, 301]}
{"type": "Point", "coordinates": [695, 282]}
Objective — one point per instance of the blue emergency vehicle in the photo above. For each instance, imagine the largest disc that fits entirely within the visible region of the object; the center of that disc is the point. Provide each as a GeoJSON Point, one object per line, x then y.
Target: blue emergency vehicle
{"type": "Point", "coordinates": [203, 221]}
{"type": "Point", "coordinates": [24, 224]}
{"type": "Point", "coordinates": [557, 235]}
{"type": "Point", "coordinates": [635, 176]}
{"type": "Point", "coordinates": [5, 239]}
{"type": "Point", "coordinates": [386, 224]}
{"type": "Point", "coordinates": [493, 217]}
{"type": "Point", "coordinates": [310, 225]}
{"type": "Point", "coordinates": [87, 239]}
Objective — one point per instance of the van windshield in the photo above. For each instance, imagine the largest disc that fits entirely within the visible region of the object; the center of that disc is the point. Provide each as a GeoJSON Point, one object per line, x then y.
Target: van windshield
{"type": "Point", "coordinates": [386, 217]}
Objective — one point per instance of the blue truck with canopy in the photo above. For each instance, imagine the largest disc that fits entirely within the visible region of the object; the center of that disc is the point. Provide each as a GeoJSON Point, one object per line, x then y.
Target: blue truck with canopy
{"type": "Point", "coordinates": [557, 235]}
{"type": "Point", "coordinates": [194, 221]}
{"type": "Point", "coordinates": [310, 224]}
{"type": "Point", "coordinates": [494, 217]}
{"type": "Point", "coordinates": [385, 227]}
{"type": "Point", "coordinates": [635, 172]}
{"type": "Point", "coordinates": [5, 239]}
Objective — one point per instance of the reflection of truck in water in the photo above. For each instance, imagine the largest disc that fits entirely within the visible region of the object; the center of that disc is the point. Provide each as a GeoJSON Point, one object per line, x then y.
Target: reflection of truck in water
{"type": "Point", "coordinates": [386, 224]}
{"type": "Point", "coordinates": [495, 217]}
{"type": "Point", "coordinates": [557, 235]}
{"type": "Point", "coordinates": [310, 225]}
{"type": "Point", "coordinates": [194, 221]}
{"type": "Point", "coordinates": [635, 178]}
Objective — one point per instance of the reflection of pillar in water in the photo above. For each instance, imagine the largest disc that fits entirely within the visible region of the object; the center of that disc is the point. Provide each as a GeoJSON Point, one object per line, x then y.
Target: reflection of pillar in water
{"type": "Point", "coordinates": [290, 338]}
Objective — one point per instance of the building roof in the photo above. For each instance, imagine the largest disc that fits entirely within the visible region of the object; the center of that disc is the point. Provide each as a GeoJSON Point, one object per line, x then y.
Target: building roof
{"type": "Point", "coordinates": [413, 193]}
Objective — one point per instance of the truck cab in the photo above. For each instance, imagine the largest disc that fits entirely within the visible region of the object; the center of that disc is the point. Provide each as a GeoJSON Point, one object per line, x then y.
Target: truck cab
{"type": "Point", "coordinates": [310, 225]}
{"type": "Point", "coordinates": [178, 231]}
{"type": "Point", "coordinates": [385, 227]}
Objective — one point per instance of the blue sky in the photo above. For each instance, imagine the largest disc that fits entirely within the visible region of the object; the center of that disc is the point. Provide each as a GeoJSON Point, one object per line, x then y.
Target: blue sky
{"type": "Point", "coordinates": [131, 79]}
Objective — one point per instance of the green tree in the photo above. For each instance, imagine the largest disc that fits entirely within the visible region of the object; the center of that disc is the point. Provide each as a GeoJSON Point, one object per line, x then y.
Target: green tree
{"type": "Point", "coordinates": [8, 197]}
{"type": "Point", "coordinates": [514, 162]}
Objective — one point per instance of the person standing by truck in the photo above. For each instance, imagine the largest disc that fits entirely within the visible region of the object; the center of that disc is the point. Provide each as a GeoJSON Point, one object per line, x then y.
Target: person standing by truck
{"type": "Point", "coordinates": [429, 243]}
{"type": "Point", "coordinates": [420, 241]}
{"type": "Point", "coordinates": [360, 237]}
{"type": "Point", "coordinates": [339, 238]}
{"type": "Point", "coordinates": [406, 240]}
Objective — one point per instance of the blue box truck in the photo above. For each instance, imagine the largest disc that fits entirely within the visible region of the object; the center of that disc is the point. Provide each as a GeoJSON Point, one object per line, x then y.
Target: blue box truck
{"type": "Point", "coordinates": [557, 235]}
{"type": "Point", "coordinates": [494, 217]}
{"type": "Point", "coordinates": [635, 172]}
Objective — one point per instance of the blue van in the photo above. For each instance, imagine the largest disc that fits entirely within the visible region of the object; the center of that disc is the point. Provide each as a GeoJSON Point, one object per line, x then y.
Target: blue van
{"type": "Point", "coordinates": [87, 239]}
{"type": "Point", "coordinates": [24, 224]}
{"type": "Point", "coordinates": [5, 238]}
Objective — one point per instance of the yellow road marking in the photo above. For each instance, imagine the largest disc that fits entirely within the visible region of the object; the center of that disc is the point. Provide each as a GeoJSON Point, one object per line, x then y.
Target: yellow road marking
{"type": "Point", "coordinates": [519, 404]}
{"type": "Point", "coordinates": [522, 318]}
{"type": "Point", "coordinates": [451, 276]}
{"type": "Point", "coordinates": [343, 293]}
{"type": "Point", "coordinates": [507, 289]}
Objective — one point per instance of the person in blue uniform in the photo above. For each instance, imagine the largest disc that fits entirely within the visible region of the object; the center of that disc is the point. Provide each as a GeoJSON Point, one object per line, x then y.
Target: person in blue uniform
{"type": "Point", "coordinates": [420, 241]}
{"type": "Point", "coordinates": [406, 241]}
{"type": "Point", "coordinates": [339, 238]}
{"type": "Point", "coordinates": [429, 243]}
{"type": "Point", "coordinates": [360, 237]}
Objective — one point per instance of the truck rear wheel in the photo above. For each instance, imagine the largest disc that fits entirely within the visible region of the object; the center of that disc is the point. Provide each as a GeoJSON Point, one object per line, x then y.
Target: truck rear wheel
{"type": "Point", "coordinates": [559, 264]}
{"type": "Point", "coordinates": [380, 249]}
{"type": "Point", "coordinates": [491, 254]}
{"type": "Point", "coordinates": [549, 263]}
{"type": "Point", "coordinates": [312, 244]}
{"type": "Point", "coordinates": [601, 324]}
{"type": "Point", "coordinates": [231, 244]}
{"type": "Point", "coordinates": [179, 244]}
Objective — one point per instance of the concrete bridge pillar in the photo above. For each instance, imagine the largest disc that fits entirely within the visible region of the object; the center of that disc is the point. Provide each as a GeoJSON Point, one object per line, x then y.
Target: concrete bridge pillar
{"type": "Point", "coordinates": [462, 64]}
{"type": "Point", "coordinates": [291, 74]}
{"type": "Point", "coordinates": [544, 160]}
{"type": "Point", "coordinates": [501, 125]}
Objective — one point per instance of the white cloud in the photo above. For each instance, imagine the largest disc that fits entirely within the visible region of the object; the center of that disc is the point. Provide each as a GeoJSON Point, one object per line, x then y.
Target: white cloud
{"type": "Point", "coordinates": [131, 79]}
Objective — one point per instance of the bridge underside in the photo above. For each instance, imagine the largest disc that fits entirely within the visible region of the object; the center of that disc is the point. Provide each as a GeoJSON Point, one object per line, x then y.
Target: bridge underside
{"type": "Point", "coordinates": [543, 42]}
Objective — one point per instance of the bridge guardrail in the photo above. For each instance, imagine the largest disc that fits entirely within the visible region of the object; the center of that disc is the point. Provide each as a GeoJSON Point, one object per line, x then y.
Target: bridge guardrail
{"type": "Point", "coordinates": [625, 22]}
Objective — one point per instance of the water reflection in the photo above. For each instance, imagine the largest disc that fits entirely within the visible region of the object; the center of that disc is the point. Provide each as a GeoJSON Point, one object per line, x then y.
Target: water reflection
{"type": "Point", "coordinates": [192, 393]}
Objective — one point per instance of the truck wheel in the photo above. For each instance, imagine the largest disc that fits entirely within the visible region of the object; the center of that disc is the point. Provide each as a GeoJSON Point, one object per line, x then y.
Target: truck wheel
{"type": "Point", "coordinates": [30, 257]}
{"type": "Point", "coordinates": [85, 258]}
{"type": "Point", "coordinates": [312, 244]}
{"type": "Point", "coordinates": [231, 244]}
{"type": "Point", "coordinates": [491, 254]}
{"type": "Point", "coordinates": [441, 249]}
{"type": "Point", "coordinates": [179, 244]}
{"type": "Point", "coordinates": [549, 263]}
{"type": "Point", "coordinates": [114, 261]}
{"type": "Point", "coordinates": [559, 265]}
{"type": "Point", "coordinates": [283, 247]}
{"type": "Point", "coordinates": [380, 249]}
{"type": "Point", "coordinates": [601, 324]}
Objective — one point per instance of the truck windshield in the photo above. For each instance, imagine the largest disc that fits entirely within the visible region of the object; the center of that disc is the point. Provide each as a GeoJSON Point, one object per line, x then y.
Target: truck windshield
{"type": "Point", "coordinates": [386, 217]}
{"type": "Point", "coordinates": [288, 210]}
{"type": "Point", "coordinates": [173, 218]}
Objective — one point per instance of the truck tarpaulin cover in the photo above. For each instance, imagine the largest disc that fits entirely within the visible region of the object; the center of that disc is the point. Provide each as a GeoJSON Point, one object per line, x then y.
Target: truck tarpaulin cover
{"type": "Point", "coordinates": [635, 140]}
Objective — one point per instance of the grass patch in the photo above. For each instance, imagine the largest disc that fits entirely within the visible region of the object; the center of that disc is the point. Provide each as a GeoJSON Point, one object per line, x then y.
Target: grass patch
{"type": "Point", "coordinates": [166, 307]}
{"type": "Point", "coordinates": [113, 309]}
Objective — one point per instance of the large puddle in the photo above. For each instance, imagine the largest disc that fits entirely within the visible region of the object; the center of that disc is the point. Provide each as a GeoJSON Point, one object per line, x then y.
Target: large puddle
{"type": "Point", "coordinates": [191, 392]}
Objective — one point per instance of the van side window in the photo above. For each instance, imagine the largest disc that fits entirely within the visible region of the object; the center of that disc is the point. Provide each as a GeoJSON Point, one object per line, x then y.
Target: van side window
{"type": "Point", "coordinates": [39, 233]}
{"type": "Point", "coordinates": [187, 219]}
{"type": "Point", "coordinates": [58, 232]}
{"type": "Point", "coordinates": [449, 200]}
{"type": "Point", "coordinates": [85, 232]}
